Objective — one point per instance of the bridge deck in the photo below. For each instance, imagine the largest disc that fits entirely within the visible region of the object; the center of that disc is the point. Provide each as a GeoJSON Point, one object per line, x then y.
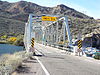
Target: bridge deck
{"type": "Point", "coordinates": [57, 62]}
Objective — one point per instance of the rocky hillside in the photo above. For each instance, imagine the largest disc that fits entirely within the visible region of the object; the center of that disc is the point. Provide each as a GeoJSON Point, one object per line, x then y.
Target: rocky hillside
{"type": "Point", "coordinates": [21, 9]}
{"type": "Point", "coordinates": [14, 15]}
{"type": "Point", "coordinates": [11, 27]}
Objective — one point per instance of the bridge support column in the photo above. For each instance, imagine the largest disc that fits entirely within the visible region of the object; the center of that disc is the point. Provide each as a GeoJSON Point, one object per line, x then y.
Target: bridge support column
{"type": "Point", "coordinates": [27, 36]}
{"type": "Point", "coordinates": [68, 30]}
{"type": "Point", "coordinates": [57, 34]}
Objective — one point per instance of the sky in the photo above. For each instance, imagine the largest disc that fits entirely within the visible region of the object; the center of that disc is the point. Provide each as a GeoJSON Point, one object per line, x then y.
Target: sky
{"type": "Point", "coordinates": [88, 7]}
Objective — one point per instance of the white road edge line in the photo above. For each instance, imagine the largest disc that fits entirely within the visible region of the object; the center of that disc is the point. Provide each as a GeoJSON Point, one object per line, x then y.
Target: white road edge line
{"type": "Point", "coordinates": [45, 70]}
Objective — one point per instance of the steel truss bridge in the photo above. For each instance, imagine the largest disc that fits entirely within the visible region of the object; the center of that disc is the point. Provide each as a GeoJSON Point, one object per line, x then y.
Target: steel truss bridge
{"type": "Point", "coordinates": [47, 32]}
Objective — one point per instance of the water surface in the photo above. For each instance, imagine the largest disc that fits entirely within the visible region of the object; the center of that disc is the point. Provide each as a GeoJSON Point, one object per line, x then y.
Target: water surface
{"type": "Point", "coordinates": [7, 48]}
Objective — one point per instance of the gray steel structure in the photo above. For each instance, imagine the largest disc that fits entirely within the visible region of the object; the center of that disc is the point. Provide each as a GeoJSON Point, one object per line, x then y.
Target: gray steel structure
{"type": "Point", "coordinates": [47, 32]}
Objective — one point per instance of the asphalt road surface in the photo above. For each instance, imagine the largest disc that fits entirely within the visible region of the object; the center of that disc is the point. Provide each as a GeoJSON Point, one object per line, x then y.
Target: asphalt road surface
{"type": "Point", "coordinates": [58, 62]}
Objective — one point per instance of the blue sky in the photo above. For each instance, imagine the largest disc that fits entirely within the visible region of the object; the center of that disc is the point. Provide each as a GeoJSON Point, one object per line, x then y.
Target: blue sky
{"type": "Point", "coordinates": [89, 7]}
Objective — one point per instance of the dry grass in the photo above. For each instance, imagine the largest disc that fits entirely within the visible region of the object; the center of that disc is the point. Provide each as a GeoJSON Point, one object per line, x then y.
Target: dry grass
{"type": "Point", "coordinates": [9, 63]}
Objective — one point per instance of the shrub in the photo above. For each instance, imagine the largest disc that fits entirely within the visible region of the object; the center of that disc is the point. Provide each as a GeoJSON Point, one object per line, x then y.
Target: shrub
{"type": "Point", "coordinates": [19, 41]}
{"type": "Point", "coordinates": [4, 37]}
{"type": "Point", "coordinates": [97, 56]}
{"type": "Point", "coordinates": [61, 42]}
{"type": "Point", "coordinates": [9, 63]}
{"type": "Point", "coordinates": [11, 39]}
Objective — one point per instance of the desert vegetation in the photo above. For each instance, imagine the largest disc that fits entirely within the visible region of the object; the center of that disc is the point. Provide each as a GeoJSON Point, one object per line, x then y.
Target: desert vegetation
{"type": "Point", "coordinates": [10, 62]}
{"type": "Point", "coordinates": [15, 40]}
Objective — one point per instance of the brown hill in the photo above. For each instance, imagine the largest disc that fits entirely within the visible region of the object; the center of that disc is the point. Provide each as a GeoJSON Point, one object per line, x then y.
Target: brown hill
{"type": "Point", "coordinates": [14, 15]}
{"type": "Point", "coordinates": [20, 10]}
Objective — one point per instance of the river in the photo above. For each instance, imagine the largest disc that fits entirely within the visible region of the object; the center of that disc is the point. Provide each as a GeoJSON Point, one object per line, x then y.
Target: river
{"type": "Point", "coordinates": [7, 48]}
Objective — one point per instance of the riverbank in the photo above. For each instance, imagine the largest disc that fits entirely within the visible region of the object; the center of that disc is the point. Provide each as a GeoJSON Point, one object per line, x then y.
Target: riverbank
{"type": "Point", "coordinates": [17, 42]}
{"type": "Point", "coordinates": [3, 42]}
{"type": "Point", "coordinates": [10, 62]}
{"type": "Point", "coordinates": [14, 40]}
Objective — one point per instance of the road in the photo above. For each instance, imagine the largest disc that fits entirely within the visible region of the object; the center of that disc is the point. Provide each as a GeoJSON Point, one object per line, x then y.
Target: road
{"type": "Point", "coordinates": [57, 62]}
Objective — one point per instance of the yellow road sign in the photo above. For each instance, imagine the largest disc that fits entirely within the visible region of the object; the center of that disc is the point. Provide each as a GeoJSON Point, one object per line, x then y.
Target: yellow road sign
{"type": "Point", "coordinates": [48, 18]}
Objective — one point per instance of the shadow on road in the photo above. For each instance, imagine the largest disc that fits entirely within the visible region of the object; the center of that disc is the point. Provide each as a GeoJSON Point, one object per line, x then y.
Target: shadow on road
{"type": "Point", "coordinates": [58, 57]}
{"type": "Point", "coordinates": [29, 61]}
{"type": "Point", "coordinates": [23, 69]}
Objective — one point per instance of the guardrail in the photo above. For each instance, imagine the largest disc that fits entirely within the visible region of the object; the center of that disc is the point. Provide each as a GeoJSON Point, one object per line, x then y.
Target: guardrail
{"type": "Point", "coordinates": [60, 46]}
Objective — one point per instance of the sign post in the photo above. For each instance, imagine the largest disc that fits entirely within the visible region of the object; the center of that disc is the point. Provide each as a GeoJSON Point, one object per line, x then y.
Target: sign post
{"type": "Point", "coordinates": [79, 47]}
{"type": "Point", "coordinates": [32, 46]}
{"type": "Point", "coordinates": [79, 44]}
{"type": "Point", "coordinates": [32, 42]}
